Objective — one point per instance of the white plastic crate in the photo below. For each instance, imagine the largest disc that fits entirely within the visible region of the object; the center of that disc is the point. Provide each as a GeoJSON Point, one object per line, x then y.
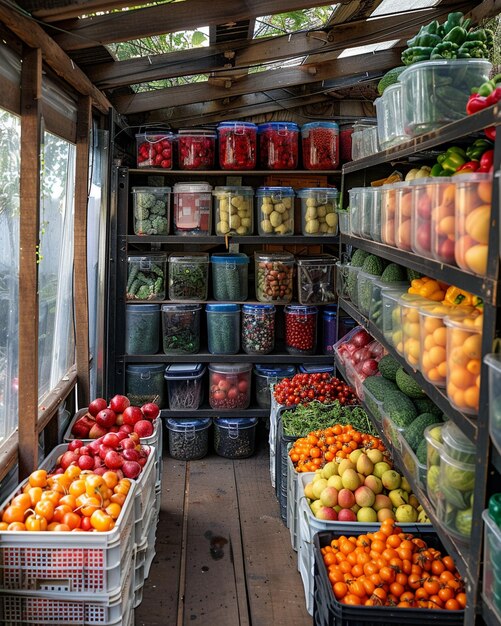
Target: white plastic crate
{"type": "Point", "coordinates": [304, 567]}
{"type": "Point", "coordinates": [66, 561]}
{"type": "Point", "coordinates": [146, 481]}
{"type": "Point", "coordinates": [149, 517]}
{"type": "Point", "coordinates": [293, 500]}
{"type": "Point", "coordinates": [272, 439]}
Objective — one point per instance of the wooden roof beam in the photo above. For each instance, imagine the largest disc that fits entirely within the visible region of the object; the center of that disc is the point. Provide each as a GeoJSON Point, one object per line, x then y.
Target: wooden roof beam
{"type": "Point", "coordinates": [34, 36]}
{"type": "Point", "coordinates": [285, 77]}
{"type": "Point", "coordinates": [162, 19]}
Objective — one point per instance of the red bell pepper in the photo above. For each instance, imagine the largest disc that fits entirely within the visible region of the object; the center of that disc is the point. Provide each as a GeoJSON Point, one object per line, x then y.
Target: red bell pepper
{"type": "Point", "coordinates": [490, 133]}
{"type": "Point", "coordinates": [486, 161]}
{"type": "Point", "coordinates": [470, 166]}
{"type": "Point", "coordinates": [476, 103]}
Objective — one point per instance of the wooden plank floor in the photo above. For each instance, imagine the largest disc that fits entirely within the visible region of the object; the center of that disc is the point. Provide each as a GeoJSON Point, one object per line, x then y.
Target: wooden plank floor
{"type": "Point", "coordinates": [223, 555]}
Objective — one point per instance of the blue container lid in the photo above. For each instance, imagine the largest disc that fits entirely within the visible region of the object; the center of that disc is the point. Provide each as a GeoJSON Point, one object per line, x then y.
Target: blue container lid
{"type": "Point", "coordinates": [222, 308]}
{"type": "Point", "coordinates": [274, 191]}
{"type": "Point", "coordinates": [348, 322]}
{"type": "Point", "coordinates": [184, 370]}
{"type": "Point", "coordinates": [235, 422]}
{"type": "Point", "coordinates": [330, 311]}
{"type": "Point", "coordinates": [258, 308]}
{"type": "Point", "coordinates": [152, 368]}
{"type": "Point", "coordinates": [304, 309]}
{"type": "Point", "coordinates": [143, 308]}
{"type": "Point", "coordinates": [185, 425]}
{"type": "Point", "coordinates": [230, 257]}
{"type": "Point", "coordinates": [277, 370]}
{"type": "Point", "coordinates": [316, 368]}
{"type": "Point", "coordinates": [237, 124]}
{"type": "Point", "coordinates": [332, 125]}
{"type": "Point", "coordinates": [278, 126]}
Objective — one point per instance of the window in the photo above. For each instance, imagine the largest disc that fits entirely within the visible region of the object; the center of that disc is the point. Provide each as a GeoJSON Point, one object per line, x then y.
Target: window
{"type": "Point", "coordinates": [10, 146]}
{"type": "Point", "coordinates": [56, 337]}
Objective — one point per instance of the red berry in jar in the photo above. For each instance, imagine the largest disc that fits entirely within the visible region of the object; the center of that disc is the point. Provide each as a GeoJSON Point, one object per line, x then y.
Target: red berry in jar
{"type": "Point", "coordinates": [237, 145]}
{"type": "Point", "coordinates": [278, 145]}
{"type": "Point", "coordinates": [230, 385]}
{"type": "Point", "coordinates": [154, 150]}
{"type": "Point", "coordinates": [320, 145]}
{"type": "Point", "coordinates": [196, 149]}
{"type": "Point", "coordinates": [301, 329]}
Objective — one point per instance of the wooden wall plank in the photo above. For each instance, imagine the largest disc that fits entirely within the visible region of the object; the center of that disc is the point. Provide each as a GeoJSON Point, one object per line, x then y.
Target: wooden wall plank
{"type": "Point", "coordinates": [80, 295]}
{"type": "Point", "coordinates": [31, 93]}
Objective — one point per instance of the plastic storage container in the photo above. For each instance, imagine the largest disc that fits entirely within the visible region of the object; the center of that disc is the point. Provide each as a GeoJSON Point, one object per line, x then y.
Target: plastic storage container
{"type": "Point", "coordinates": [188, 438]}
{"type": "Point", "coordinates": [316, 279]}
{"type": "Point", "coordinates": [376, 303]}
{"type": "Point", "coordinates": [145, 383]}
{"type": "Point", "coordinates": [411, 331]}
{"type": "Point", "coordinates": [146, 277]}
{"type": "Point", "coordinates": [151, 209]}
{"type": "Point", "coordinates": [443, 201]}
{"type": "Point", "coordinates": [345, 325]}
{"type": "Point", "coordinates": [473, 221]}
{"type": "Point", "coordinates": [456, 444]}
{"type": "Point", "coordinates": [392, 319]}
{"type": "Point", "coordinates": [188, 276]}
{"type": "Point", "coordinates": [433, 436]}
{"type": "Point", "coordinates": [388, 205]}
{"type": "Point", "coordinates": [491, 588]}
{"type": "Point", "coordinates": [229, 385]}
{"type": "Point", "coordinates": [192, 205]}
{"type": "Point", "coordinates": [341, 279]}
{"type": "Point", "coordinates": [278, 145]}
{"type": "Point", "coordinates": [464, 353]}
{"type": "Point", "coordinates": [155, 150]}
{"type": "Point", "coordinates": [267, 375]}
{"type": "Point", "coordinates": [223, 328]}
{"type": "Point", "coordinates": [301, 329]}
{"type": "Point", "coordinates": [357, 145]}
{"type": "Point", "coordinates": [275, 210]}
{"type": "Point", "coordinates": [427, 98]}
{"type": "Point", "coordinates": [329, 330]}
{"type": "Point", "coordinates": [351, 283]}
{"type": "Point", "coordinates": [184, 385]}
{"type": "Point", "coordinates": [316, 368]}
{"type": "Point", "coordinates": [390, 123]}
{"type": "Point", "coordinates": [320, 142]}
{"type": "Point", "coordinates": [493, 362]}
{"type": "Point", "coordinates": [181, 328]}
{"type": "Point", "coordinates": [433, 359]}
{"type": "Point", "coordinates": [343, 218]}
{"type": "Point", "coordinates": [234, 210]}
{"type": "Point", "coordinates": [318, 210]}
{"type": "Point", "coordinates": [237, 145]}
{"type": "Point", "coordinates": [345, 137]}
{"type": "Point", "coordinates": [258, 328]}
{"type": "Point", "coordinates": [235, 437]}
{"type": "Point", "coordinates": [230, 272]}
{"type": "Point", "coordinates": [142, 328]}
{"type": "Point", "coordinates": [367, 198]}
{"type": "Point", "coordinates": [403, 212]}
{"type": "Point", "coordinates": [274, 276]}
{"type": "Point", "coordinates": [355, 203]}
{"type": "Point", "coordinates": [422, 198]}
{"type": "Point", "coordinates": [196, 149]}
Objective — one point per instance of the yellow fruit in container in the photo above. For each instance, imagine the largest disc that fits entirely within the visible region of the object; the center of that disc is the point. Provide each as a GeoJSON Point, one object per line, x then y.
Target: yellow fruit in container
{"type": "Point", "coordinates": [477, 224]}
{"type": "Point", "coordinates": [476, 259]}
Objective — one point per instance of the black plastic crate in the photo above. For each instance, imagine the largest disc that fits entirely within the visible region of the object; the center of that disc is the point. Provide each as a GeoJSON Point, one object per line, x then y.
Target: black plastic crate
{"type": "Point", "coordinates": [327, 611]}
{"type": "Point", "coordinates": [281, 456]}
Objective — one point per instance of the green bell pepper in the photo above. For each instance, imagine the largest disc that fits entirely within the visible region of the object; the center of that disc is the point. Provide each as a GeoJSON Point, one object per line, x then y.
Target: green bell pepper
{"type": "Point", "coordinates": [453, 161]}
{"type": "Point", "coordinates": [455, 19]}
{"type": "Point", "coordinates": [484, 35]}
{"type": "Point", "coordinates": [478, 147]}
{"type": "Point", "coordinates": [445, 50]}
{"type": "Point", "coordinates": [437, 170]}
{"type": "Point", "coordinates": [425, 37]}
{"type": "Point", "coordinates": [457, 35]}
{"type": "Point", "coordinates": [473, 50]}
{"type": "Point", "coordinates": [416, 54]}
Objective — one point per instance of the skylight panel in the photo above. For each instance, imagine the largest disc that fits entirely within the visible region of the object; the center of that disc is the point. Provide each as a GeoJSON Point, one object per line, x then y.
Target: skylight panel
{"type": "Point", "coordinates": [384, 45]}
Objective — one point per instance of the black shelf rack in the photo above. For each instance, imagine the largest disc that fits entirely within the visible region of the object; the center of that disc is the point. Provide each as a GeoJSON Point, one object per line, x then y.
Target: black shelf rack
{"type": "Point", "coordinates": [205, 411]}
{"type": "Point", "coordinates": [207, 357]}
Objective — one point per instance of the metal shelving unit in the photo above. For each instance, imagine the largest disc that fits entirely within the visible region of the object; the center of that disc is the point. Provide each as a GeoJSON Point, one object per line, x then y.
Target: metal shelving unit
{"type": "Point", "coordinates": [207, 357]}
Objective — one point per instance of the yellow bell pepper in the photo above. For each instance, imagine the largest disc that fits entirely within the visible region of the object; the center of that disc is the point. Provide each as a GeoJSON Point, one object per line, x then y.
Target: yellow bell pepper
{"type": "Point", "coordinates": [427, 288]}
{"type": "Point", "coordinates": [456, 296]}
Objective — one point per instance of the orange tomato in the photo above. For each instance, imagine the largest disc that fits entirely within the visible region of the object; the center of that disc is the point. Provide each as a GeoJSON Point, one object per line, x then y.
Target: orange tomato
{"type": "Point", "coordinates": [16, 526]}
{"type": "Point", "coordinates": [23, 500]}
{"type": "Point", "coordinates": [13, 513]}
{"type": "Point", "coordinates": [36, 523]}
{"type": "Point", "coordinates": [101, 521]}
{"type": "Point", "coordinates": [45, 508]}
{"type": "Point", "coordinates": [38, 478]}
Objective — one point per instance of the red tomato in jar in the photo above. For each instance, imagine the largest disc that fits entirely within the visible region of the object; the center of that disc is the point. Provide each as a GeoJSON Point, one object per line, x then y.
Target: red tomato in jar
{"type": "Point", "coordinates": [232, 393]}
{"type": "Point", "coordinates": [243, 385]}
{"type": "Point", "coordinates": [216, 378]}
{"type": "Point", "coordinates": [224, 385]}
{"type": "Point", "coordinates": [219, 395]}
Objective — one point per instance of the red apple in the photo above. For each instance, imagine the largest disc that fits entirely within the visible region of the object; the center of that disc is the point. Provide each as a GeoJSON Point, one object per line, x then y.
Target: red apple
{"type": "Point", "coordinates": [85, 450]}
{"type": "Point", "coordinates": [75, 444]}
{"type": "Point", "coordinates": [106, 418]}
{"type": "Point", "coordinates": [120, 419]}
{"type": "Point", "coordinates": [131, 469]}
{"type": "Point", "coordinates": [126, 428]}
{"type": "Point", "coordinates": [130, 454]}
{"type": "Point", "coordinates": [97, 405]}
{"type": "Point", "coordinates": [96, 431]}
{"type": "Point", "coordinates": [144, 428]}
{"type": "Point", "coordinates": [119, 403]}
{"type": "Point", "coordinates": [128, 444]}
{"type": "Point", "coordinates": [142, 461]}
{"type": "Point", "coordinates": [111, 440]}
{"type": "Point", "coordinates": [103, 450]}
{"type": "Point", "coordinates": [122, 435]}
{"type": "Point", "coordinates": [132, 414]}
{"type": "Point", "coordinates": [150, 410]}
{"type": "Point", "coordinates": [85, 462]}
{"type": "Point", "coordinates": [102, 469]}
{"type": "Point", "coordinates": [113, 429]}
{"type": "Point", "coordinates": [98, 461]}
{"type": "Point", "coordinates": [94, 446]}
{"type": "Point", "coordinates": [113, 460]}
{"type": "Point", "coordinates": [68, 458]}
{"type": "Point", "coordinates": [81, 429]}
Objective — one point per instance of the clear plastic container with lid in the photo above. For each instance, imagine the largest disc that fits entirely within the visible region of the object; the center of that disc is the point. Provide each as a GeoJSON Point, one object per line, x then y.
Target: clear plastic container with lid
{"type": "Point", "coordinates": [390, 123]}
{"type": "Point", "coordinates": [464, 354]}
{"type": "Point", "coordinates": [155, 149]}
{"type": "Point", "coordinates": [188, 276]}
{"type": "Point", "coordinates": [422, 198]}
{"type": "Point", "coordinates": [237, 145]}
{"type": "Point", "coordinates": [343, 217]}
{"type": "Point", "coordinates": [427, 99]}
{"type": "Point", "coordinates": [320, 141]}
{"type": "Point", "coordinates": [491, 588]}
{"type": "Point", "coordinates": [229, 385]}
{"type": "Point", "coordinates": [376, 304]}
{"type": "Point", "coordinates": [355, 202]}
{"type": "Point", "coordinates": [145, 383]}
{"type": "Point", "coordinates": [278, 145]}
{"type": "Point", "coordinates": [403, 212]}
{"type": "Point", "coordinates": [388, 206]}
{"type": "Point", "coordinates": [329, 331]}
{"type": "Point", "coordinates": [357, 145]}
{"type": "Point", "coordinates": [235, 437]}
{"type": "Point", "coordinates": [341, 279]}
{"type": "Point", "coordinates": [196, 149]}
{"type": "Point", "coordinates": [316, 368]}
{"type": "Point", "coordinates": [188, 438]}
{"type": "Point", "coordinates": [192, 206]}
{"type": "Point", "coordinates": [369, 199]}
{"type": "Point", "coordinates": [258, 328]}
{"type": "Point", "coordinates": [229, 275]}
{"type": "Point", "coordinates": [142, 328]}
{"type": "Point", "coordinates": [151, 209]}
{"type": "Point", "coordinates": [274, 276]}
{"type": "Point", "coordinates": [365, 282]}
{"type": "Point", "coordinates": [392, 318]}
{"type": "Point", "coordinates": [223, 328]}
{"type": "Point", "coordinates": [184, 385]}
{"type": "Point", "coordinates": [275, 206]}
{"type": "Point", "coordinates": [234, 210]}
{"type": "Point", "coordinates": [301, 329]}
{"type": "Point", "coordinates": [494, 364]}
{"type": "Point", "coordinates": [433, 358]}
{"type": "Point", "coordinates": [181, 328]}
{"type": "Point", "coordinates": [433, 436]}
{"type": "Point", "coordinates": [316, 279]}
{"type": "Point", "coordinates": [457, 445]}
{"type": "Point", "coordinates": [411, 331]}
{"type": "Point", "coordinates": [267, 375]}
{"type": "Point", "coordinates": [318, 210]}
{"type": "Point", "coordinates": [345, 141]}
{"type": "Point", "coordinates": [146, 277]}
{"type": "Point", "coordinates": [473, 221]}
{"type": "Point", "coordinates": [443, 218]}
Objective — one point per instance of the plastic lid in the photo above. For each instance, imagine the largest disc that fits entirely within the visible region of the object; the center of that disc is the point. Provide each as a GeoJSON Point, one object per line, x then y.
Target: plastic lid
{"type": "Point", "coordinates": [223, 190]}
{"type": "Point", "coordinates": [206, 132]}
{"type": "Point", "coordinates": [453, 63]}
{"type": "Point", "coordinates": [154, 257]}
{"type": "Point", "coordinates": [156, 134]}
{"type": "Point", "coordinates": [235, 422]}
{"type": "Point", "coordinates": [143, 308]}
{"type": "Point", "coordinates": [258, 308]}
{"type": "Point", "coordinates": [275, 370]}
{"type": "Point", "coordinates": [181, 308]}
{"type": "Point", "coordinates": [331, 125]}
{"type": "Point", "coordinates": [330, 192]}
{"type": "Point", "coordinates": [274, 191]}
{"type": "Point", "coordinates": [192, 188]}
{"type": "Point", "coordinates": [230, 368]}
{"type": "Point", "coordinates": [453, 437]}
{"type": "Point", "coordinates": [197, 257]}
{"type": "Point", "coordinates": [184, 370]}
{"type": "Point", "coordinates": [493, 361]}
{"type": "Point", "coordinates": [315, 368]}
{"type": "Point", "coordinates": [186, 425]}
{"type": "Point", "coordinates": [304, 309]}
{"type": "Point", "coordinates": [355, 189]}
{"type": "Point", "coordinates": [154, 190]}
{"type": "Point", "coordinates": [237, 124]}
{"type": "Point", "coordinates": [274, 256]}
{"type": "Point", "coordinates": [473, 177]}
{"type": "Point", "coordinates": [347, 322]}
{"type": "Point", "coordinates": [143, 368]}
{"type": "Point", "coordinates": [319, 259]}
{"type": "Point", "coordinates": [464, 321]}
{"type": "Point", "coordinates": [222, 308]}
{"type": "Point", "coordinates": [289, 126]}
{"type": "Point", "coordinates": [330, 310]}
{"type": "Point", "coordinates": [407, 299]}
{"type": "Point", "coordinates": [230, 257]}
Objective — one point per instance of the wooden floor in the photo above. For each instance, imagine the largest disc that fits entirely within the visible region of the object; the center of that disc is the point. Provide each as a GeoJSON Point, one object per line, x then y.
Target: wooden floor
{"type": "Point", "coordinates": [223, 555]}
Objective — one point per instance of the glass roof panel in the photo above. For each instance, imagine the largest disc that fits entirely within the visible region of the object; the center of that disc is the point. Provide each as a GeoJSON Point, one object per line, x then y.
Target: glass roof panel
{"type": "Point", "coordinates": [399, 6]}
{"type": "Point", "coordinates": [384, 45]}
{"type": "Point", "coordinates": [293, 21]}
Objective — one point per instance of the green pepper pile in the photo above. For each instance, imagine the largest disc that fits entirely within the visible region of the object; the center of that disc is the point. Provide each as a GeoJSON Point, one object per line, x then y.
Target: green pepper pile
{"type": "Point", "coordinates": [454, 39]}
{"type": "Point", "coordinates": [478, 157]}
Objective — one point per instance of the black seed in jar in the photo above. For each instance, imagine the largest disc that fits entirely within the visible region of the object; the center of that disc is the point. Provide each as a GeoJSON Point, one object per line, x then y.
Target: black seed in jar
{"type": "Point", "coordinates": [234, 442]}
{"type": "Point", "coordinates": [189, 444]}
